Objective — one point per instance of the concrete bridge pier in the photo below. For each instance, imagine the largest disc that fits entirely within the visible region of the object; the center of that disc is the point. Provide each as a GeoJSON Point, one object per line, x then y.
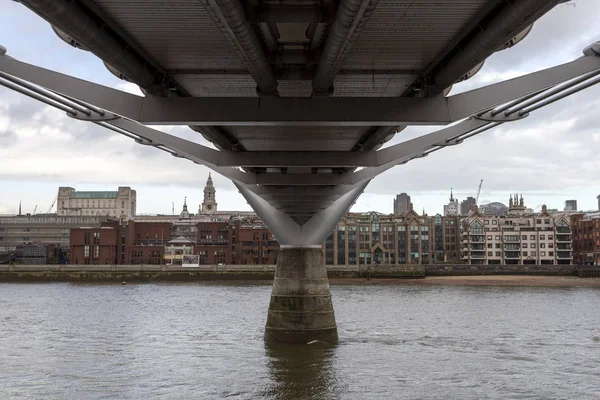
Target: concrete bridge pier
{"type": "Point", "coordinates": [301, 309]}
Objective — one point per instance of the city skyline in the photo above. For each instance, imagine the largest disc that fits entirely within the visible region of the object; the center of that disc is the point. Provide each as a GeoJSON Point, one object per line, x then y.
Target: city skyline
{"type": "Point", "coordinates": [549, 157]}
{"type": "Point", "coordinates": [174, 203]}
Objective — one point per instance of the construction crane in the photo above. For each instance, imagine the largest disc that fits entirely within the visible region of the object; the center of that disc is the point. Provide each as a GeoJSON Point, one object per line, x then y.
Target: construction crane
{"type": "Point", "coordinates": [52, 205]}
{"type": "Point", "coordinates": [34, 210]}
{"type": "Point", "coordinates": [478, 193]}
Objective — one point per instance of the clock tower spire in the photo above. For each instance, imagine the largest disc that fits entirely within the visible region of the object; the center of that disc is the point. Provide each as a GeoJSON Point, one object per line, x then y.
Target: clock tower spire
{"type": "Point", "coordinates": [209, 204]}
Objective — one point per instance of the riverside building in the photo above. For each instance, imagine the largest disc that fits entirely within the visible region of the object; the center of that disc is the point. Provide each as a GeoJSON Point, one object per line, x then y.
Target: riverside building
{"type": "Point", "coordinates": [516, 238]}
{"type": "Point", "coordinates": [42, 229]}
{"type": "Point", "coordinates": [86, 203]}
{"type": "Point", "coordinates": [586, 238]}
{"type": "Point", "coordinates": [406, 238]}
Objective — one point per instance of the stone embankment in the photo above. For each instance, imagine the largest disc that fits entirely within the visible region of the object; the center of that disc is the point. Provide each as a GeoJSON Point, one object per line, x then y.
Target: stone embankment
{"type": "Point", "coordinates": [68, 273]}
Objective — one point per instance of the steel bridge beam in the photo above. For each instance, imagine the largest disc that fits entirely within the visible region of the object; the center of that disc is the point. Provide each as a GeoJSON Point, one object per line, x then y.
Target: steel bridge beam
{"type": "Point", "coordinates": [319, 111]}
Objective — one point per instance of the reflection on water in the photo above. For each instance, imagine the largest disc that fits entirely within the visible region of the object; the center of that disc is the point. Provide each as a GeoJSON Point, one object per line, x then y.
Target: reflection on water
{"type": "Point", "coordinates": [301, 371]}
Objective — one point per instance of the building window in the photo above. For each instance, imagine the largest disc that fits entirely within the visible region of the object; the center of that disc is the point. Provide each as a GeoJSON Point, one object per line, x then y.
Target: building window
{"type": "Point", "coordinates": [86, 251]}
{"type": "Point", "coordinates": [490, 237]}
{"type": "Point", "coordinates": [96, 251]}
{"type": "Point", "coordinates": [542, 245]}
{"type": "Point", "coordinates": [524, 254]}
{"type": "Point", "coordinates": [494, 222]}
{"type": "Point", "coordinates": [551, 253]}
{"type": "Point", "coordinates": [542, 237]}
{"type": "Point", "coordinates": [498, 254]}
{"type": "Point", "coordinates": [532, 237]}
{"type": "Point", "coordinates": [86, 238]}
{"type": "Point", "coordinates": [542, 253]}
{"type": "Point", "coordinates": [550, 237]}
{"type": "Point", "coordinates": [524, 245]}
{"type": "Point", "coordinates": [497, 237]}
{"type": "Point", "coordinates": [533, 253]}
{"type": "Point", "coordinates": [533, 245]}
{"type": "Point", "coordinates": [490, 253]}
{"type": "Point", "coordinates": [96, 237]}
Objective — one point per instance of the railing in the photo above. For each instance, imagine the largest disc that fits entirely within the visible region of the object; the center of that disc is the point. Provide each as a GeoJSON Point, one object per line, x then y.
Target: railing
{"type": "Point", "coordinates": [563, 238]}
{"type": "Point", "coordinates": [512, 255]}
{"type": "Point", "coordinates": [477, 249]}
{"type": "Point", "coordinates": [563, 255]}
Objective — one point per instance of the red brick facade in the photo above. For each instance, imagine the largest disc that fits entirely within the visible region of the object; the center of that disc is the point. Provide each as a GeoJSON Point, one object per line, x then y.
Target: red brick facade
{"type": "Point", "coordinates": [586, 239]}
{"type": "Point", "coordinates": [95, 245]}
{"type": "Point", "coordinates": [144, 243]}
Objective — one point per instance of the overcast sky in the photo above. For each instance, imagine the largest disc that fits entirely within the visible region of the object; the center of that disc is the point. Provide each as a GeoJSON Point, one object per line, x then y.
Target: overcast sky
{"type": "Point", "coordinates": [550, 156]}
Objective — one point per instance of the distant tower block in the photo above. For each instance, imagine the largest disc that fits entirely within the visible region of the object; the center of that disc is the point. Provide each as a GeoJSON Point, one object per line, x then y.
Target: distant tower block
{"type": "Point", "coordinates": [209, 204]}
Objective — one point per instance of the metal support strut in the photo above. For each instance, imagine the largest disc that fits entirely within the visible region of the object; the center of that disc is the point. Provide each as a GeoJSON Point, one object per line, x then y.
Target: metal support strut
{"type": "Point", "coordinates": [511, 100]}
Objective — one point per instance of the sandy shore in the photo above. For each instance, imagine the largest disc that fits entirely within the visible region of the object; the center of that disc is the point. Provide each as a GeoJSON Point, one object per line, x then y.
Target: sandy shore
{"type": "Point", "coordinates": [479, 280]}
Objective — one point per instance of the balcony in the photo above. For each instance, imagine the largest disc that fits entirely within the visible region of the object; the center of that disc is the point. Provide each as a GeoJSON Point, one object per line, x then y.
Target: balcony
{"type": "Point", "coordinates": [512, 254]}
{"type": "Point", "coordinates": [562, 238]}
{"type": "Point", "coordinates": [564, 255]}
{"type": "Point", "coordinates": [478, 256]}
{"type": "Point", "coordinates": [508, 239]}
{"type": "Point", "coordinates": [477, 248]}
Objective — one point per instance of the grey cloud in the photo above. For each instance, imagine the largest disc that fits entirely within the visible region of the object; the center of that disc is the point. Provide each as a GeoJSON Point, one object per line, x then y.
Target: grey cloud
{"type": "Point", "coordinates": [509, 158]}
{"type": "Point", "coordinates": [7, 139]}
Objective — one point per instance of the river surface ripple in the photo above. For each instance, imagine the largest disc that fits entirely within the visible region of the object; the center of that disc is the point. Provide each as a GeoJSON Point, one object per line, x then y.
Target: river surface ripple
{"type": "Point", "coordinates": [204, 341]}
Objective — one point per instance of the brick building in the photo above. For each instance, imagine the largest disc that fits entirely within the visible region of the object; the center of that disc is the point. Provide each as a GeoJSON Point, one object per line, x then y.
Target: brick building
{"type": "Point", "coordinates": [253, 244]}
{"type": "Point", "coordinates": [374, 238]}
{"type": "Point", "coordinates": [586, 238]}
{"type": "Point", "coordinates": [125, 242]}
{"type": "Point", "coordinates": [95, 245]}
{"type": "Point", "coordinates": [239, 241]}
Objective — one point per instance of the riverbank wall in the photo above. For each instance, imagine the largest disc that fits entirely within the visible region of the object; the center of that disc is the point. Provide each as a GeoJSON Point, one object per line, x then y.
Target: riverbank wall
{"type": "Point", "coordinates": [68, 273]}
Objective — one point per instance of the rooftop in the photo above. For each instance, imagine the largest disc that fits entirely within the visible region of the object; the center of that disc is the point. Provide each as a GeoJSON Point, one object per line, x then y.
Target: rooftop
{"type": "Point", "coordinates": [94, 195]}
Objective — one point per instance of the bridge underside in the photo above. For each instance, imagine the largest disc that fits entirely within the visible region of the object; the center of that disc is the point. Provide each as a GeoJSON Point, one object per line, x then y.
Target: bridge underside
{"type": "Point", "coordinates": [297, 98]}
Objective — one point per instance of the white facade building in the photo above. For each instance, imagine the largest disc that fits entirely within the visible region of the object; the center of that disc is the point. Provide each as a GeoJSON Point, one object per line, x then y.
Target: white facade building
{"type": "Point", "coordinates": [111, 203]}
{"type": "Point", "coordinates": [516, 238]}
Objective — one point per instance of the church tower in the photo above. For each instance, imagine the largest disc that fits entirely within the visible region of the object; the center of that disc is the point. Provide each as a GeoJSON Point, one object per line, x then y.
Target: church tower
{"type": "Point", "coordinates": [209, 204]}
{"type": "Point", "coordinates": [184, 213]}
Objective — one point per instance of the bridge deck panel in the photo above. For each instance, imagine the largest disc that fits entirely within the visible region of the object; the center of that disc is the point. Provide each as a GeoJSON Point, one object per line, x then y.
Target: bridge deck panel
{"type": "Point", "coordinates": [410, 34]}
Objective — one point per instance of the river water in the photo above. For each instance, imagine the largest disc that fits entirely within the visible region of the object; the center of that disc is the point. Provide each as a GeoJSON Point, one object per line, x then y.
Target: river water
{"type": "Point", "coordinates": [204, 341]}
